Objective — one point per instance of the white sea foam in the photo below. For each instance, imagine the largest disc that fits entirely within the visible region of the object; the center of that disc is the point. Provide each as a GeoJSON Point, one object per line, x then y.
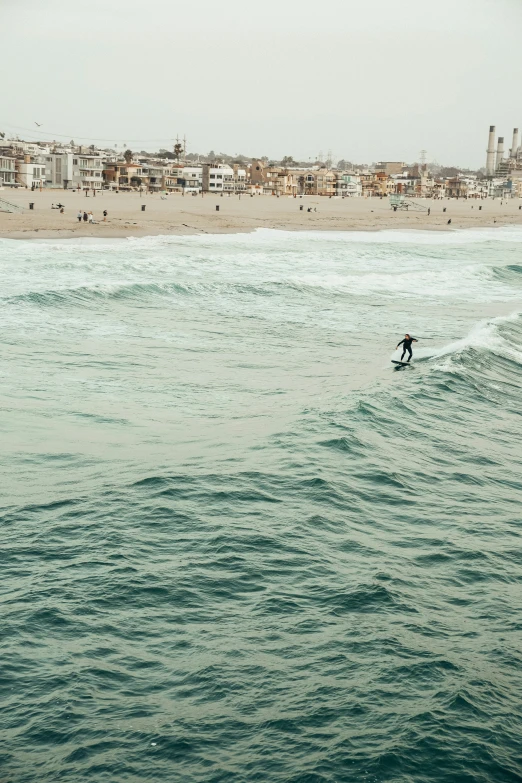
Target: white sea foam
{"type": "Point", "coordinates": [485, 335]}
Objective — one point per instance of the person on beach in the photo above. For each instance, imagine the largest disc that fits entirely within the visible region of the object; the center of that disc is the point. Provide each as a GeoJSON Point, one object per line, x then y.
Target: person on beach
{"type": "Point", "coordinates": [85, 217]}
{"type": "Point", "coordinates": [91, 217]}
{"type": "Point", "coordinates": [104, 215]}
{"type": "Point", "coordinates": [79, 216]}
{"type": "Point", "coordinates": [407, 346]}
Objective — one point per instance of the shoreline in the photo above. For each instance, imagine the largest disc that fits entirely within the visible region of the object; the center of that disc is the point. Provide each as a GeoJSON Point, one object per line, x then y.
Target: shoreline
{"type": "Point", "coordinates": [115, 236]}
{"type": "Point", "coordinates": [178, 215]}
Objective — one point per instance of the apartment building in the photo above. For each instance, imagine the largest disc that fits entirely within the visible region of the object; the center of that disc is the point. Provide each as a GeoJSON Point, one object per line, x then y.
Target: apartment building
{"type": "Point", "coordinates": [30, 172]}
{"type": "Point", "coordinates": [173, 178]}
{"type": "Point", "coordinates": [192, 179]}
{"type": "Point", "coordinates": [214, 175]}
{"type": "Point", "coordinates": [154, 173]}
{"type": "Point", "coordinates": [348, 185]}
{"type": "Point", "coordinates": [72, 170]}
{"type": "Point", "coordinates": [275, 181]}
{"type": "Point", "coordinates": [468, 187]}
{"type": "Point", "coordinates": [120, 175]}
{"type": "Point", "coordinates": [381, 183]}
{"type": "Point", "coordinates": [237, 183]}
{"type": "Point", "coordinates": [7, 171]}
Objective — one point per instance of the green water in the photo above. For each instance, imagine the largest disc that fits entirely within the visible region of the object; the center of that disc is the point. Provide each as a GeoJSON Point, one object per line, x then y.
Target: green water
{"type": "Point", "coordinates": [237, 544]}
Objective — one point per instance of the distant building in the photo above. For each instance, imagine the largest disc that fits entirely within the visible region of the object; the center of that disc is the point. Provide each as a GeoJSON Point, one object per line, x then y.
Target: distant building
{"type": "Point", "coordinates": [238, 183]}
{"type": "Point", "coordinates": [192, 179]}
{"type": "Point", "coordinates": [213, 179]}
{"type": "Point", "coordinates": [121, 175]}
{"type": "Point", "coordinates": [277, 181]}
{"type": "Point", "coordinates": [30, 172]}
{"type": "Point", "coordinates": [7, 171]}
{"type": "Point", "coordinates": [257, 169]}
{"type": "Point", "coordinates": [316, 182]}
{"type": "Point", "coordinates": [173, 178]}
{"type": "Point", "coordinates": [390, 167]}
{"type": "Point", "coordinates": [72, 170]}
{"type": "Point", "coordinates": [467, 187]}
{"type": "Point", "coordinates": [348, 185]}
{"type": "Point", "coordinates": [155, 173]}
{"type": "Point", "coordinates": [406, 185]}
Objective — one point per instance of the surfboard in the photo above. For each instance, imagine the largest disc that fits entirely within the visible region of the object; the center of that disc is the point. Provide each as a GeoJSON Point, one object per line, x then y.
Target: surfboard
{"type": "Point", "coordinates": [402, 364]}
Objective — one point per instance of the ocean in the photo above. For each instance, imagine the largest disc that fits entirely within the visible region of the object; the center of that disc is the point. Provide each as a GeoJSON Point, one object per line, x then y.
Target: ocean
{"type": "Point", "coordinates": [238, 544]}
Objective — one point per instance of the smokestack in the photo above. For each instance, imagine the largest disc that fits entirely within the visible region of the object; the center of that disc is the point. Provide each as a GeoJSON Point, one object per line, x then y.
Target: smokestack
{"type": "Point", "coordinates": [490, 159]}
{"type": "Point", "coordinates": [500, 152]}
{"type": "Point", "coordinates": [514, 144]}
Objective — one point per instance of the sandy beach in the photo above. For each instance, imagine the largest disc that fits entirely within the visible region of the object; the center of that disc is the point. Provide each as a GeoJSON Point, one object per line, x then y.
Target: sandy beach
{"type": "Point", "coordinates": [178, 214]}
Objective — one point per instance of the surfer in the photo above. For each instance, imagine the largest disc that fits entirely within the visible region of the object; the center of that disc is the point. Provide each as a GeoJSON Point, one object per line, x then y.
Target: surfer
{"type": "Point", "coordinates": [407, 345]}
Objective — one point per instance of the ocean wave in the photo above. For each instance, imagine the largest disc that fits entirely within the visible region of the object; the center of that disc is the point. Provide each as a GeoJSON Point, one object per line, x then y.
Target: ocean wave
{"type": "Point", "coordinates": [140, 291]}
{"type": "Point", "coordinates": [256, 552]}
{"type": "Point", "coordinates": [501, 336]}
{"type": "Point", "coordinates": [504, 234]}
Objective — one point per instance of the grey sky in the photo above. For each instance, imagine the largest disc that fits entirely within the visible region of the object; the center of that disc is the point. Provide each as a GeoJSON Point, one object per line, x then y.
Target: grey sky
{"type": "Point", "coordinates": [369, 79]}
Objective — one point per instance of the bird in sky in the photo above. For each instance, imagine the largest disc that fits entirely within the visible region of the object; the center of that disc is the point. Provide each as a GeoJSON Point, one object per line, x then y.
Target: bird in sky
{"type": "Point", "coordinates": [39, 124]}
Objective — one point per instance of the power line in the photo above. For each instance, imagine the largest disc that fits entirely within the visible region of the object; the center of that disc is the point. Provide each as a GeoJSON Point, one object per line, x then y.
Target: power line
{"type": "Point", "coordinates": [89, 138]}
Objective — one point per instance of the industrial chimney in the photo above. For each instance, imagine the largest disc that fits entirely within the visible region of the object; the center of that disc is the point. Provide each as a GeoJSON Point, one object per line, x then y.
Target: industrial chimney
{"type": "Point", "coordinates": [490, 159]}
{"type": "Point", "coordinates": [514, 146]}
{"type": "Point", "coordinates": [500, 152]}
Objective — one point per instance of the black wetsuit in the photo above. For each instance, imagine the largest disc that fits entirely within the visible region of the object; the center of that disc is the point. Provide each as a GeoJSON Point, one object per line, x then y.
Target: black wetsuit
{"type": "Point", "coordinates": [407, 347]}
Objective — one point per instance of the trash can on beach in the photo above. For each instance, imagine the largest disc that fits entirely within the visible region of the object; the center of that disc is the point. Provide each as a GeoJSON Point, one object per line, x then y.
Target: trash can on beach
{"type": "Point", "coordinates": [31, 205]}
{"type": "Point", "coordinates": [217, 207]}
{"type": "Point", "coordinates": [143, 207]}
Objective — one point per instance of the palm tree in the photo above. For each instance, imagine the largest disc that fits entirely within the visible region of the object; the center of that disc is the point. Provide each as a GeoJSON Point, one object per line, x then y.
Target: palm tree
{"type": "Point", "coordinates": [128, 156]}
{"type": "Point", "coordinates": [178, 149]}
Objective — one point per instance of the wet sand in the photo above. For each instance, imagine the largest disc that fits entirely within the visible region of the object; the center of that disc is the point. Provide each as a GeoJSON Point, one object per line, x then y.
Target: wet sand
{"type": "Point", "coordinates": [177, 214]}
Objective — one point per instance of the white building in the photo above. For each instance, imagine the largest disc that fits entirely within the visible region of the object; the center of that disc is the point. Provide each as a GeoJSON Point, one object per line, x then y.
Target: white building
{"type": "Point", "coordinates": [214, 177]}
{"type": "Point", "coordinates": [25, 147]}
{"type": "Point", "coordinates": [180, 178]}
{"type": "Point", "coordinates": [235, 180]}
{"type": "Point", "coordinates": [192, 179]}
{"type": "Point", "coordinates": [7, 171]}
{"type": "Point", "coordinates": [349, 185]}
{"type": "Point", "coordinates": [31, 172]}
{"type": "Point", "coordinates": [72, 170]}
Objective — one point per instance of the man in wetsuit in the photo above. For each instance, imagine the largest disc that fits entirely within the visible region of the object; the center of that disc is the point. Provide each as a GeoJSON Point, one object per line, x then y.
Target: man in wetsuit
{"type": "Point", "coordinates": [407, 345]}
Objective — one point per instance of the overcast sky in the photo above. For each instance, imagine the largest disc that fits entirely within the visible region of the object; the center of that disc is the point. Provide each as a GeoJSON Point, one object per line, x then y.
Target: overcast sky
{"type": "Point", "coordinates": [369, 79]}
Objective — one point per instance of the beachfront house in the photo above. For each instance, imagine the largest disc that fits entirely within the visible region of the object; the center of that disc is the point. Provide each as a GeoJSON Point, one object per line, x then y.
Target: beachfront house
{"type": "Point", "coordinates": [120, 175]}
{"type": "Point", "coordinates": [466, 187]}
{"type": "Point", "coordinates": [405, 185]}
{"type": "Point", "coordinates": [7, 171]}
{"type": "Point", "coordinates": [275, 181]}
{"type": "Point", "coordinates": [498, 187]}
{"type": "Point", "coordinates": [381, 182]}
{"type": "Point", "coordinates": [182, 179]}
{"type": "Point", "coordinates": [155, 173]}
{"type": "Point", "coordinates": [192, 179]}
{"type": "Point", "coordinates": [173, 178]}
{"type": "Point", "coordinates": [348, 185]}
{"type": "Point", "coordinates": [214, 177]}
{"type": "Point", "coordinates": [30, 172]}
{"type": "Point", "coordinates": [234, 181]}
{"type": "Point", "coordinates": [73, 170]}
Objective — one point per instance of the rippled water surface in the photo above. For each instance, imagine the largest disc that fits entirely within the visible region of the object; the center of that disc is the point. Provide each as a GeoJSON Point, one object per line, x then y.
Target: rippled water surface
{"type": "Point", "coordinates": [237, 544]}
